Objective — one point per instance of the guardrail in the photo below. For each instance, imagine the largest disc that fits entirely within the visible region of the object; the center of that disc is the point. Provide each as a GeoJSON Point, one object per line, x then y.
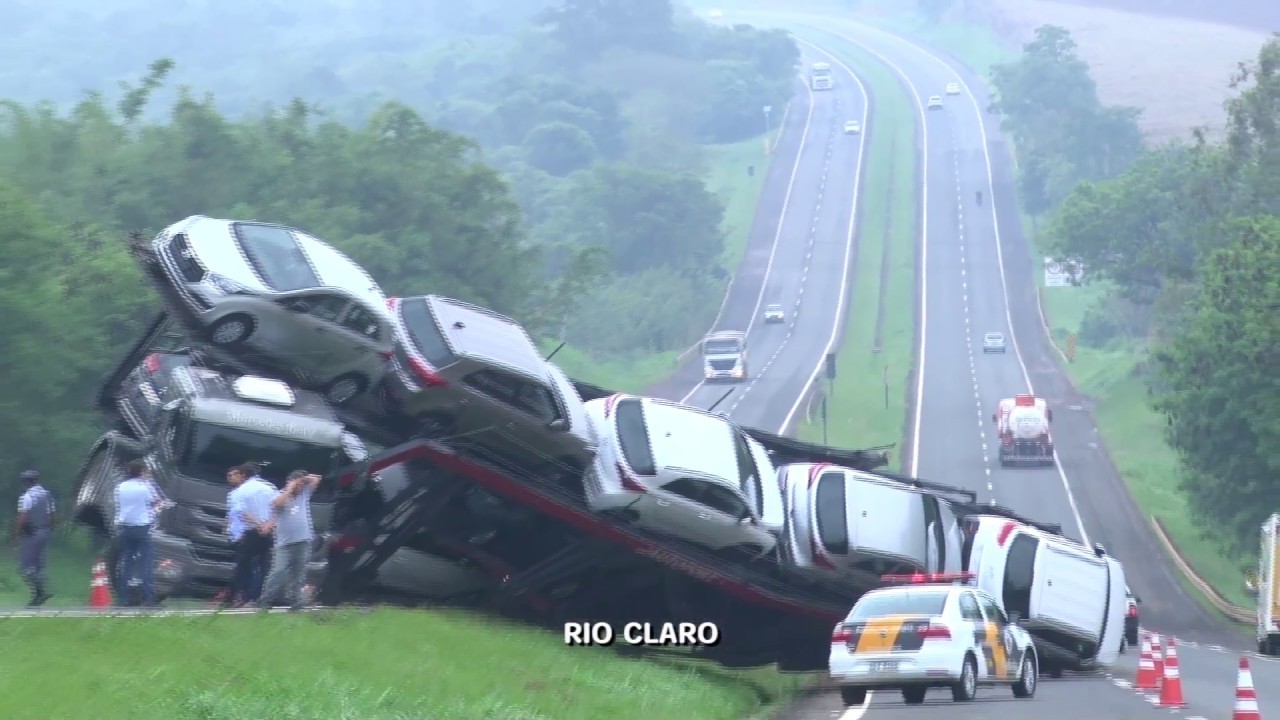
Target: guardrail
{"type": "Point", "coordinates": [1229, 610]}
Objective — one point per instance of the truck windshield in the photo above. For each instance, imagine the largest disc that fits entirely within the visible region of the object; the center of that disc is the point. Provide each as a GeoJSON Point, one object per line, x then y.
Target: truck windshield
{"type": "Point", "coordinates": [821, 72]}
{"type": "Point", "coordinates": [721, 347]}
{"type": "Point", "coordinates": [211, 449]}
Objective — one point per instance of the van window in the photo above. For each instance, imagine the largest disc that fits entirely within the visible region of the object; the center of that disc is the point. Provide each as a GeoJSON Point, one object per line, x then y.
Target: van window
{"type": "Point", "coordinates": [1019, 573]}
{"type": "Point", "coordinates": [424, 334]}
{"type": "Point", "coordinates": [633, 436]}
{"type": "Point", "coordinates": [833, 525]}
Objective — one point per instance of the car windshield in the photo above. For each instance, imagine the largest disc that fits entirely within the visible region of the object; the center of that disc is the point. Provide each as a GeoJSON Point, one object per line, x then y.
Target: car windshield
{"type": "Point", "coordinates": [995, 337]}
{"type": "Point", "coordinates": [722, 347]}
{"type": "Point", "coordinates": [911, 602]}
{"type": "Point", "coordinates": [773, 308]}
{"type": "Point", "coordinates": [425, 334]}
{"type": "Point", "coordinates": [211, 449]}
{"type": "Point", "coordinates": [275, 256]}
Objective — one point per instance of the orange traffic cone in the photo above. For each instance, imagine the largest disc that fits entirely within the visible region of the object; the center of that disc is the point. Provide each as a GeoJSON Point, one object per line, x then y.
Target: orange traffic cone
{"type": "Point", "coordinates": [1147, 679]}
{"type": "Point", "coordinates": [1171, 688]}
{"type": "Point", "coordinates": [1157, 659]}
{"type": "Point", "coordinates": [99, 588]}
{"type": "Point", "coordinates": [1246, 699]}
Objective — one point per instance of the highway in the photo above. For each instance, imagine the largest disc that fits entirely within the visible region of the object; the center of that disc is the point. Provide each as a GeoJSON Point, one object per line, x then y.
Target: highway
{"type": "Point", "coordinates": [977, 276]}
{"type": "Point", "coordinates": [798, 254]}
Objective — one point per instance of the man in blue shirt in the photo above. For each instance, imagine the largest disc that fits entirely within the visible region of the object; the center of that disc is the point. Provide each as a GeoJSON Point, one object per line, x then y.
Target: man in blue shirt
{"type": "Point", "coordinates": [291, 521]}
{"type": "Point", "coordinates": [248, 518]}
{"type": "Point", "coordinates": [33, 525]}
{"type": "Point", "coordinates": [136, 504]}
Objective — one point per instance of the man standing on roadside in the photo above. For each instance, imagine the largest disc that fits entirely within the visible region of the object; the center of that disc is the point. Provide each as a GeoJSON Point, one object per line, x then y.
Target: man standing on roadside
{"type": "Point", "coordinates": [136, 504]}
{"type": "Point", "coordinates": [32, 527]}
{"type": "Point", "coordinates": [248, 517]}
{"type": "Point", "coordinates": [291, 521]}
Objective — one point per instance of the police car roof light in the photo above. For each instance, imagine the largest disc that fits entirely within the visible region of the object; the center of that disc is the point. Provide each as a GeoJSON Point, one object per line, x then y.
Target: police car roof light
{"type": "Point", "coordinates": [264, 390]}
{"type": "Point", "coordinates": [928, 578]}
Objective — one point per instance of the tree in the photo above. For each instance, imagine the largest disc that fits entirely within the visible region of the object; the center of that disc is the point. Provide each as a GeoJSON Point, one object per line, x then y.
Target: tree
{"type": "Point", "coordinates": [1223, 405]}
{"type": "Point", "coordinates": [586, 28]}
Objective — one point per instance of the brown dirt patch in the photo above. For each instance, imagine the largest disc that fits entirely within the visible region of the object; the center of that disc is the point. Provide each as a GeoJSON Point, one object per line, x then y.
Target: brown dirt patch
{"type": "Point", "coordinates": [1175, 69]}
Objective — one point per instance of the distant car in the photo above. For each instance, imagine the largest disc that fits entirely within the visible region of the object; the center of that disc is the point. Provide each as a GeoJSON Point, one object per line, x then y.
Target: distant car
{"type": "Point", "coordinates": [463, 371]}
{"type": "Point", "coordinates": [681, 471]}
{"type": "Point", "coordinates": [773, 313]}
{"type": "Point", "coordinates": [928, 634]}
{"type": "Point", "coordinates": [993, 342]}
{"type": "Point", "coordinates": [953, 88]}
{"type": "Point", "coordinates": [274, 295]}
{"type": "Point", "coordinates": [935, 102]}
{"type": "Point", "coordinates": [852, 127]}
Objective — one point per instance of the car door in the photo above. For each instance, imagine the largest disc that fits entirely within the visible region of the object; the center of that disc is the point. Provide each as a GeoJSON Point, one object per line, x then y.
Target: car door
{"type": "Point", "coordinates": [681, 511]}
{"type": "Point", "coordinates": [493, 416]}
{"type": "Point", "coordinates": [731, 518]}
{"type": "Point", "coordinates": [1006, 655]}
{"type": "Point", "coordinates": [307, 336]}
{"type": "Point", "coordinates": [360, 343]}
{"type": "Point", "coordinates": [971, 615]}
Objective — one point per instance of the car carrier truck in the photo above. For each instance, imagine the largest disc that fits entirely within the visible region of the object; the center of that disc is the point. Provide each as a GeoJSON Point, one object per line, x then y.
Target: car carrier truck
{"type": "Point", "coordinates": [1269, 588]}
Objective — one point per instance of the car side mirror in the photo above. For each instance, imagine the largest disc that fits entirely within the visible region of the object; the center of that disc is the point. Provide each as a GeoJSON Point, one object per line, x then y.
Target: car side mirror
{"type": "Point", "coordinates": [558, 424]}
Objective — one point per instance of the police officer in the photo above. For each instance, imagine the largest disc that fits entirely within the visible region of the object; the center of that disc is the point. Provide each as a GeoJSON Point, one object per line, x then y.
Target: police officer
{"type": "Point", "coordinates": [33, 527]}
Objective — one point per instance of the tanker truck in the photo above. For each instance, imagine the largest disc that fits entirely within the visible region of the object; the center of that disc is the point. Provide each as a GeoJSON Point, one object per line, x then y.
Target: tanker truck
{"type": "Point", "coordinates": [1022, 423]}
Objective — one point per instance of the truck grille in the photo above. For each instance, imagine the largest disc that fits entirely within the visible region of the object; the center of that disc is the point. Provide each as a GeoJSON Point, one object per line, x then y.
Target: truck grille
{"type": "Point", "coordinates": [723, 365]}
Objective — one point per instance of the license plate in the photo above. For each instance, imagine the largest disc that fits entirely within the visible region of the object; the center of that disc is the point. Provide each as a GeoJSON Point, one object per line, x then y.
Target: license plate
{"type": "Point", "coordinates": [884, 666]}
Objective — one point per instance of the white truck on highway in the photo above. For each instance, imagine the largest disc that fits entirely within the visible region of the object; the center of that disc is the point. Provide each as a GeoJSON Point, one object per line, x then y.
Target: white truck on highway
{"type": "Point", "coordinates": [1022, 423]}
{"type": "Point", "coordinates": [820, 76]}
{"type": "Point", "coordinates": [724, 356]}
{"type": "Point", "coordinates": [1269, 588]}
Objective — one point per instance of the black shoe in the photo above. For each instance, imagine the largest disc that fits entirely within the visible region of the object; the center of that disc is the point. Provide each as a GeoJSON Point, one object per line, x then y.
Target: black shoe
{"type": "Point", "coordinates": [39, 599]}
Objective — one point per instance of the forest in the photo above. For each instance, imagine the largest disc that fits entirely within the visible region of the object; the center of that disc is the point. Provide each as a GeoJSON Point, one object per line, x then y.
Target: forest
{"type": "Point", "coordinates": [543, 159]}
{"type": "Point", "coordinates": [1186, 237]}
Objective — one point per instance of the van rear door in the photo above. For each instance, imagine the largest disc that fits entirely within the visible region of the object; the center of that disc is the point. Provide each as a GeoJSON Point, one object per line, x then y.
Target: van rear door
{"type": "Point", "coordinates": [1070, 590]}
{"type": "Point", "coordinates": [1117, 605]}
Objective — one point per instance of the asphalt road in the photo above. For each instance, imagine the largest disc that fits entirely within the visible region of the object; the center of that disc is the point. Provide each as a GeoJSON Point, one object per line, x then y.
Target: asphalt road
{"type": "Point", "coordinates": [799, 254]}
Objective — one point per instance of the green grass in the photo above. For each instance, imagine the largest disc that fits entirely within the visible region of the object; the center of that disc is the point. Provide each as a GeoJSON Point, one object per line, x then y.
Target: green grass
{"type": "Point", "coordinates": [726, 177]}
{"type": "Point", "coordinates": [1133, 431]}
{"type": "Point", "coordinates": [347, 664]}
{"type": "Point", "coordinates": [68, 565]}
{"type": "Point", "coordinates": [858, 413]}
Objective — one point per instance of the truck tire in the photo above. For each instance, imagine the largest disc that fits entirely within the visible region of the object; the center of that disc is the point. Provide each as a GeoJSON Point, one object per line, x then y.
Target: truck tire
{"type": "Point", "coordinates": [852, 696]}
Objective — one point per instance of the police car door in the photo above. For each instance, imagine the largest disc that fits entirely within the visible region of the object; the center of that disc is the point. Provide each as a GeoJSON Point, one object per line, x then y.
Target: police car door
{"type": "Point", "coordinates": [1006, 656]}
{"type": "Point", "coordinates": [971, 614]}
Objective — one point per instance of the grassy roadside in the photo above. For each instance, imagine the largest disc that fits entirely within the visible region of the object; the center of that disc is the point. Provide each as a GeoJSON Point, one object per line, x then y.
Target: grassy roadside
{"type": "Point", "coordinates": [868, 404]}
{"type": "Point", "coordinates": [726, 177]}
{"type": "Point", "coordinates": [1134, 433]}
{"type": "Point", "coordinates": [347, 664]}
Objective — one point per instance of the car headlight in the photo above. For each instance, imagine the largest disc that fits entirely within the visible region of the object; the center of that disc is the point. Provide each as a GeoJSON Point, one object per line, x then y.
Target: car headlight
{"type": "Point", "coordinates": [226, 285]}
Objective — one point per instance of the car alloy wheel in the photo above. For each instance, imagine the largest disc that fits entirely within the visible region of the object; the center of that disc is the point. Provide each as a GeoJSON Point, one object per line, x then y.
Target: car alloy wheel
{"type": "Point", "coordinates": [231, 330]}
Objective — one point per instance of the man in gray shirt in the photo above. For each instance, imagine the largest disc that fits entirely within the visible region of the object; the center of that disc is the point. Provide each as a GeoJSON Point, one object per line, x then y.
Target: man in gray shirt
{"type": "Point", "coordinates": [291, 522]}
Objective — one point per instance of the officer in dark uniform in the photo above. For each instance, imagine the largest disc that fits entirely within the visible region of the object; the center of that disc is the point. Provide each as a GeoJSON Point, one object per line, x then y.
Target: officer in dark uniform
{"type": "Point", "coordinates": [33, 527]}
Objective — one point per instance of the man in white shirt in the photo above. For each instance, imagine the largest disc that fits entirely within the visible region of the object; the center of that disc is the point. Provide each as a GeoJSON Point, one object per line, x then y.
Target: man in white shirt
{"type": "Point", "coordinates": [248, 512]}
{"type": "Point", "coordinates": [136, 504]}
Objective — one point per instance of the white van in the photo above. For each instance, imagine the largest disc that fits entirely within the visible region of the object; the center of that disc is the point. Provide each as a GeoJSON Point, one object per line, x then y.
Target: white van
{"type": "Point", "coordinates": [1069, 597]}
{"type": "Point", "coordinates": [846, 521]}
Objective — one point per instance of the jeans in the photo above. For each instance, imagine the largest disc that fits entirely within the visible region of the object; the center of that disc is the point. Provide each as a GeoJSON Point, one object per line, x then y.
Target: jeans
{"type": "Point", "coordinates": [288, 573]}
{"type": "Point", "coordinates": [253, 553]}
{"type": "Point", "coordinates": [31, 559]}
{"type": "Point", "coordinates": [137, 559]}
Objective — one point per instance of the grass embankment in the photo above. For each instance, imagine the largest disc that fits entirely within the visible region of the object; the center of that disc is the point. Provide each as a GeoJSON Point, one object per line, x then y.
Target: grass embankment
{"type": "Point", "coordinates": [1109, 375]}
{"type": "Point", "coordinates": [861, 411]}
{"type": "Point", "coordinates": [346, 664]}
{"type": "Point", "coordinates": [727, 177]}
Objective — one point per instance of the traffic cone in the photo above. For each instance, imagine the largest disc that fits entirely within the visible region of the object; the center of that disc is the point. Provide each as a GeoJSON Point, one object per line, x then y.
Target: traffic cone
{"type": "Point", "coordinates": [1171, 688]}
{"type": "Point", "coordinates": [1246, 699]}
{"type": "Point", "coordinates": [1147, 679]}
{"type": "Point", "coordinates": [99, 588]}
{"type": "Point", "coordinates": [1157, 659]}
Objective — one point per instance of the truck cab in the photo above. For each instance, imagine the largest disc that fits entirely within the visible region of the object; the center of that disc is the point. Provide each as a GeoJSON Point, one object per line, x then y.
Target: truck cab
{"type": "Point", "coordinates": [820, 76]}
{"type": "Point", "coordinates": [191, 424]}
{"type": "Point", "coordinates": [724, 356]}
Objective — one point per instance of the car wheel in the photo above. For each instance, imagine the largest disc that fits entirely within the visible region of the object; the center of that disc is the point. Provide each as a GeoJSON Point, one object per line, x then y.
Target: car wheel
{"type": "Point", "coordinates": [852, 696]}
{"type": "Point", "coordinates": [966, 687]}
{"type": "Point", "coordinates": [345, 388]}
{"type": "Point", "coordinates": [231, 330]}
{"type": "Point", "coordinates": [913, 695]}
{"type": "Point", "coordinates": [1028, 678]}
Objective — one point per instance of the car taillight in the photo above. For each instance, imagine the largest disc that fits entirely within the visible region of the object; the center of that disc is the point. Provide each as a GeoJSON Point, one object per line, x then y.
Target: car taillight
{"type": "Point", "coordinates": [628, 481]}
{"type": "Point", "coordinates": [425, 373]}
{"type": "Point", "coordinates": [935, 632]}
{"type": "Point", "coordinates": [152, 363]}
{"type": "Point", "coordinates": [840, 635]}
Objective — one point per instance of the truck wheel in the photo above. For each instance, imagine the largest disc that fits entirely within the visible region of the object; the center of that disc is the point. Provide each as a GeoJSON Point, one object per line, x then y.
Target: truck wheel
{"type": "Point", "coordinates": [914, 694]}
{"type": "Point", "coordinates": [852, 696]}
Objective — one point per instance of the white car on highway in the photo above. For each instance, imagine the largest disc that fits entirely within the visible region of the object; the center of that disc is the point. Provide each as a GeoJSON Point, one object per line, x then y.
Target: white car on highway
{"type": "Point", "coordinates": [935, 102]}
{"type": "Point", "coordinates": [852, 127]}
{"type": "Point", "coordinates": [953, 88]}
{"type": "Point", "coordinates": [929, 634]}
{"type": "Point", "coordinates": [680, 471]}
{"type": "Point", "coordinates": [773, 313]}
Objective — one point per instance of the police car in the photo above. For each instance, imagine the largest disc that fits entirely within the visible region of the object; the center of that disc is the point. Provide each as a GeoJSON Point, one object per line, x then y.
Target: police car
{"type": "Point", "coordinates": [930, 631]}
